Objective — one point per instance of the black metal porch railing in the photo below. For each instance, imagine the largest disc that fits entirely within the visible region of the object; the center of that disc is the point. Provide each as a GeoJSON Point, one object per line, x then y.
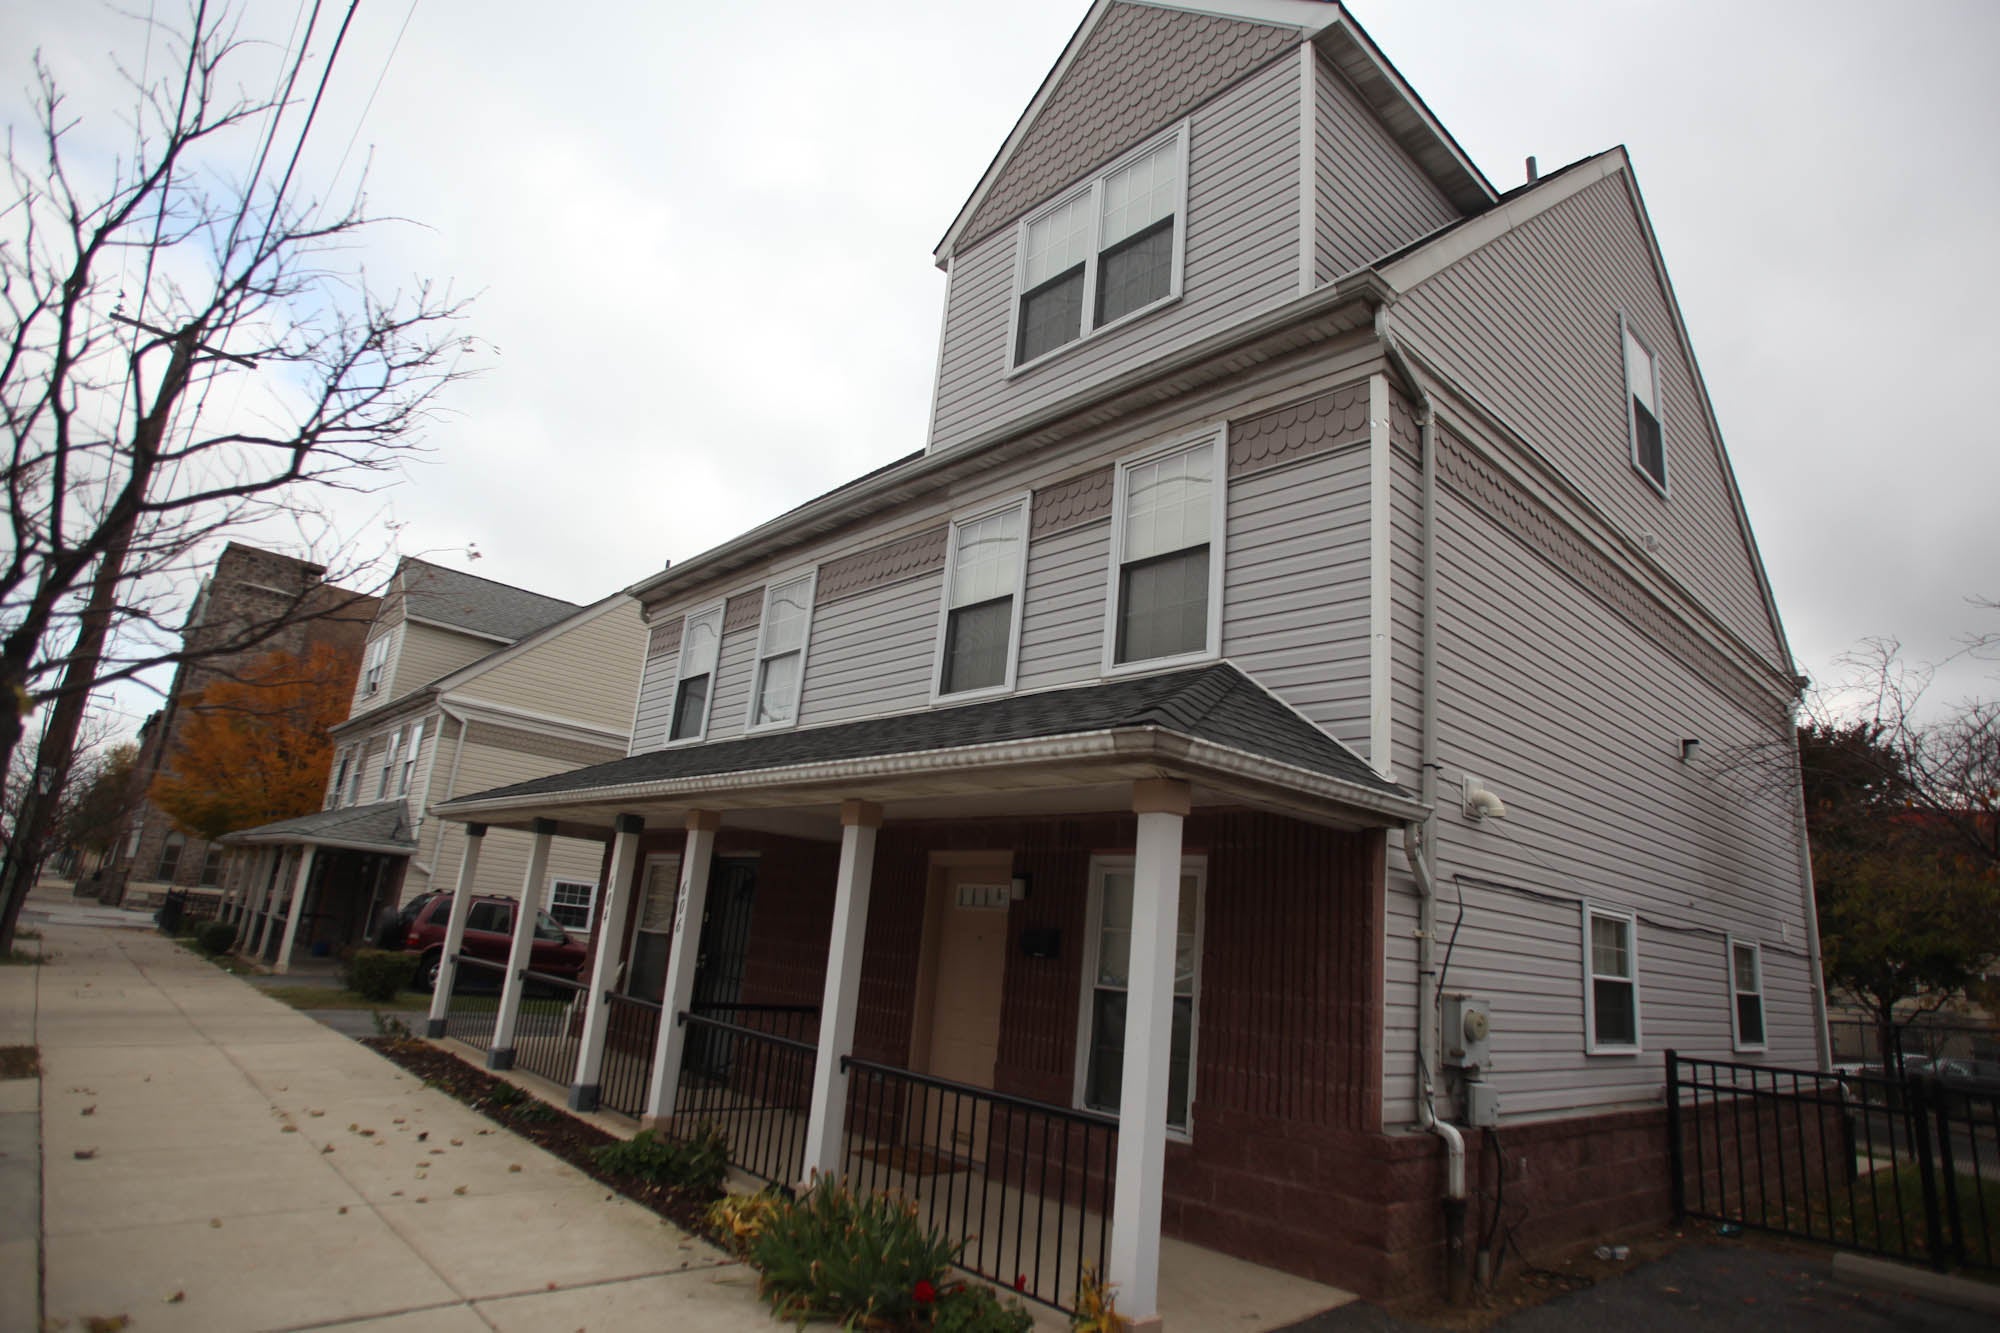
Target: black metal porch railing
{"type": "Point", "coordinates": [753, 1085]}
{"type": "Point", "coordinates": [631, 1031]}
{"type": "Point", "coordinates": [548, 1034]}
{"type": "Point", "coordinates": [1905, 1167]}
{"type": "Point", "coordinates": [1024, 1185]}
{"type": "Point", "coordinates": [475, 1001]}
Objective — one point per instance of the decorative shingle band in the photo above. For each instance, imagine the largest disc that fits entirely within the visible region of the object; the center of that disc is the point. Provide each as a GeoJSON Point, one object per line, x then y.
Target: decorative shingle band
{"type": "Point", "coordinates": [1141, 70]}
{"type": "Point", "coordinates": [743, 611]}
{"type": "Point", "coordinates": [1403, 432]}
{"type": "Point", "coordinates": [1069, 503]}
{"type": "Point", "coordinates": [1547, 533]}
{"type": "Point", "coordinates": [1328, 421]}
{"type": "Point", "coordinates": [887, 563]}
{"type": "Point", "coordinates": [665, 640]}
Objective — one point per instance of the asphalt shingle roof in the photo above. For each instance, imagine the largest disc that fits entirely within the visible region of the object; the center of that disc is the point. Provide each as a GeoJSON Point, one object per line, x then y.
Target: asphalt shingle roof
{"type": "Point", "coordinates": [383, 824]}
{"type": "Point", "coordinates": [449, 597]}
{"type": "Point", "coordinates": [1215, 703]}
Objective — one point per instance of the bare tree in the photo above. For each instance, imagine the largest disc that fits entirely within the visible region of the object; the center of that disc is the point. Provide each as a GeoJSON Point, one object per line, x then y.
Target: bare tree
{"type": "Point", "coordinates": [189, 349]}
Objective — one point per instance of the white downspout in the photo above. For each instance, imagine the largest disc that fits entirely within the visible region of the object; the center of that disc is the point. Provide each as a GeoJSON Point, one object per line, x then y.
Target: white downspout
{"type": "Point", "coordinates": [1419, 845]}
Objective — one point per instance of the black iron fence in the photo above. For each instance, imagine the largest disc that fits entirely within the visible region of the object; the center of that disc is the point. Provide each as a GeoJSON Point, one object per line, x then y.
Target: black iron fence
{"type": "Point", "coordinates": [1024, 1185]}
{"type": "Point", "coordinates": [631, 1031]}
{"type": "Point", "coordinates": [475, 1001]}
{"type": "Point", "coordinates": [753, 1084]}
{"type": "Point", "coordinates": [548, 1033]}
{"type": "Point", "coordinates": [182, 910]}
{"type": "Point", "coordinates": [1927, 1044]}
{"type": "Point", "coordinates": [1907, 1167]}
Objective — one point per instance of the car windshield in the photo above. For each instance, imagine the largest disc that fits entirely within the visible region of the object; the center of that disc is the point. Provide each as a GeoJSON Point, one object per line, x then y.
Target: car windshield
{"type": "Point", "coordinates": [547, 928]}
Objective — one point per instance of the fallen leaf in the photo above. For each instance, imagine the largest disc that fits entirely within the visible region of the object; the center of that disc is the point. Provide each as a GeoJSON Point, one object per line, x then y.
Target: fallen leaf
{"type": "Point", "coordinates": [437, 1152]}
{"type": "Point", "coordinates": [514, 1168]}
{"type": "Point", "coordinates": [459, 1190]}
{"type": "Point", "coordinates": [367, 1133]}
{"type": "Point", "coordinates": [315, 1114]}
{"type": "Point", "coordinates": [99, 1323]}
{"type": "Point", "coordinates": [343, 1210]}
{"type": "Point", "coordinates": [422, 1135]}
{"type": "Point", "coordinates": [215, 1222]}
{"type": "Point", "coordinates": [458, 1143]}
{"type": "Point", "coordinates": [423, 1198]}
{"type": "Point", "coordinates": [397, 1121]}
{"type": "Point", "coordinates": [288, 1129]}
{"type": "Point", "coordinates": [85, 1154]}
{"type": "Point", "coordinates": [352, 1127]}
{"type": "Point", "coordinates": [177, 1298]}
{"type": "Point", "coordinates": [327, 1149]}
{"type": "Point", "coordinates": [89, 1110]}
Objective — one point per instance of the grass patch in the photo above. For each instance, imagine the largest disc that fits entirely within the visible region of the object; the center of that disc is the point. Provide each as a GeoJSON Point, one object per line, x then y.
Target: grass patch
{"type": "Point", "coordinates": [324, 997]}
{"type": "Point", "coordinates": [1885, 1210]}
{"type": "Point", "coordinates": [20, 1062]}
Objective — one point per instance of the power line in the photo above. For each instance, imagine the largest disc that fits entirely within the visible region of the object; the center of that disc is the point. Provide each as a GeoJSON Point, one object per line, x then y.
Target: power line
{"type": "Point", "coordinates": [369, 105]}
{"type": "Point", "coordinates": [312, 112]}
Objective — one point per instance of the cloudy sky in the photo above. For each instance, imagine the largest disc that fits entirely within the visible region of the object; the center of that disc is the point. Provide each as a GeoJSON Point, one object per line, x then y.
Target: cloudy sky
{"type": "Point", "coordinates": [700, 238]}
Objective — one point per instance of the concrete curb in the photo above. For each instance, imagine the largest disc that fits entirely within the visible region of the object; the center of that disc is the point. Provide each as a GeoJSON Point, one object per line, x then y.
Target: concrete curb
{"type": "Point", "coordinates": [1862, 1271]}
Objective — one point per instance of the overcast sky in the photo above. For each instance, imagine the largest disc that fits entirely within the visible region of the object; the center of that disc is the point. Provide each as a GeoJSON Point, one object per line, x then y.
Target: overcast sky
{"type": "Point", "coordinates": [700, 236]}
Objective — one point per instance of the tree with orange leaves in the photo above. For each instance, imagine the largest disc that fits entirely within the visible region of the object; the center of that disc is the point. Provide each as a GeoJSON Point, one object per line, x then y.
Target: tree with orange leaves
{"type": "Point", "coordinates": [255, 746]}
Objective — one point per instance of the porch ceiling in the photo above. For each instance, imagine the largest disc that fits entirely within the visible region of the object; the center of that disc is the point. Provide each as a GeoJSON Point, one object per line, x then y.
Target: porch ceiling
{"type": "Point", "coordinates": [1060, 752]}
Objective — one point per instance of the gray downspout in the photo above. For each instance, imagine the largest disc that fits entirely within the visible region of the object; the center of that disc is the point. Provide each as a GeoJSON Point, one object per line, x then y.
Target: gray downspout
{"type": "Point", "coordinates": [1419, 839]}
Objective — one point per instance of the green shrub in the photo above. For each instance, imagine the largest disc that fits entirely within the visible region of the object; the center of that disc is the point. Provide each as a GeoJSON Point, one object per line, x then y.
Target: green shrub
{"type": "Point", "coordinates": [699, 1164]}
{"type": "Point", "coordinates": [216, 938]}
{"type": "Point", "coordinates": [862, 1261]}
{"type": "Point", "coordinates": [377, 974]}
{"type": "Point", "coordinates": [964, 1308]}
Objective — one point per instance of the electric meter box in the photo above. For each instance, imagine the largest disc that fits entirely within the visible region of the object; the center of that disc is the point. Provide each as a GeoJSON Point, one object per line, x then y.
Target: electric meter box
{"type": "Point", "coordinates": [1482, 1105]}
{"type": "Point", "coordinates": [1467, 1025]}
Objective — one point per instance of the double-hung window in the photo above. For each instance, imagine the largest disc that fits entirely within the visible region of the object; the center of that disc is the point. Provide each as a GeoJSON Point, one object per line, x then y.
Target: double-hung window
{"type": "Point", "coordinates": [1746, 993]}
{"type": "Point", "coordinates": [571, 902]}
{"type": "Point", "coordinates": [986, 561]}
{"type": "Point", "coordinates": [1166, 549]}
{"type": "Point", "coordinates": [1611, 981]}
{"type": "Point", "coordinates": [1642, 409]}
{"type": "Point", "coordinates": [1108, 249]}
{"type": "Point", "coordinates": [375, 663]}
{"type": "Point", "coordinates": [339, 787]}
{"type": "Point", "coordinates": [1107, 974]}
{"type": "Point", "coordinates": [694, 678]}
{"type": "Point", "coordinates": [389, 765]}
{"type": "Point", "coordinates": [781, 652]}
{"type": "Point", "coordinates": [410, 752]}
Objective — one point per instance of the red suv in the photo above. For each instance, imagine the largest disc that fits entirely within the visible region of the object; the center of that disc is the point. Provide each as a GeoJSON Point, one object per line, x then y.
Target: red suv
{"type": "Point", "coordinates": [489, 934]}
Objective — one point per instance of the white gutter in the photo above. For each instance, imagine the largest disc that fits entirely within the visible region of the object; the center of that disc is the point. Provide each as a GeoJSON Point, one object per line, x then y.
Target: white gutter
{"type": "Point", "coordinates": [1419, 836]}
{"type": "Point", "coordinates": [1145, 743]}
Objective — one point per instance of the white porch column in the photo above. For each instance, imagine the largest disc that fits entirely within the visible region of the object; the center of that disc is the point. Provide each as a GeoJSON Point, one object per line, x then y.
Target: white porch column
{"type": "Point", "coordinates": [824, 1127]}
{"type": "Point", "coordinates": [267, 902]}
{"type": "Point", "coordinates": [683, 952]}
{"type": "Point", "coordinates": [1133, 1264]}
{"type": "Point", "coordinates": [454, 931]}
{"type": "Point", "coordinates": [501, 1055]}
{"type": "Point", "coordinates": [306, 857]}
{"type": "Point", "coordinates": [614, 911]}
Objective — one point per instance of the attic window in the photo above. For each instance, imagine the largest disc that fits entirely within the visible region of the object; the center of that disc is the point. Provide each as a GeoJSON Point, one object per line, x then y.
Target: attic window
{"type": "Point", "coordinates": [373, 665]}
{"type": "Point", "coordinates": [1104, 252]}
{"type": "Point", "coordinates": [1642, 399]}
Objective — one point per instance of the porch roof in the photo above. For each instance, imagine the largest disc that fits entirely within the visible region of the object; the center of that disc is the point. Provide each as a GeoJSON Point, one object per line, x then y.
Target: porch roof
{"type": "Point", "coordinates": [382, 827]}
{"type": "Point", "coordinates": [1212, 724]}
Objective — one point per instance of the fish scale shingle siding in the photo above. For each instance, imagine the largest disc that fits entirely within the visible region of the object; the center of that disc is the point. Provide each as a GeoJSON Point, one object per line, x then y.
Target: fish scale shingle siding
{"type": "Point", "coordinates": [1142, 69]}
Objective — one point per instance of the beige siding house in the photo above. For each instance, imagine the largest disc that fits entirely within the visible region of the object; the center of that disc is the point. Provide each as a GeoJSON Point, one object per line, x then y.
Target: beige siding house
{"type": "Point", "coordinates": [1322, 609]}
{"type": "Point", "coordinates": [465, 684]}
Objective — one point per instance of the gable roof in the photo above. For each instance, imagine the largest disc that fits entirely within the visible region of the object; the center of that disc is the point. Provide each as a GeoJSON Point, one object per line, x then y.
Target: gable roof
{"type": "Point", "coordinates": [380, 827]}
{"type": "Point", "coordinates": [1216, 704]}
{"type": "Point", "coordinates": [1135, 66]}
{"type": "Point", "coordinates": [440, 596]}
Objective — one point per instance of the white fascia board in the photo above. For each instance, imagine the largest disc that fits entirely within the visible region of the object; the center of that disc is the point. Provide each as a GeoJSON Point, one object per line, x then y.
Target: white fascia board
{"type": "Point", "coordinates": [1428, 261]}
{"type": "Point", "coordinates": [547, 724]}
{"type": "Point", "coordinates": [1118, 744]}
{"type": "Point", "coordinates": [387, 716]}
{"type": "Point", "coordinates": [1354, 33]}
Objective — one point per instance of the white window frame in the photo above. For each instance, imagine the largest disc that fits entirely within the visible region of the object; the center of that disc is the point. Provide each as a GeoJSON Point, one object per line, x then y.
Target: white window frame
{"type": "Point", "coordinates": [375, 663]}
{"type": "Point", "coordinates": [715, 608]}
{"type": "Point", "coordinates": [389, 755]}
{"type": "Point", "coordinates": [341, 761]}
{"type": "Point", "coordinates": [639, 927]}
{"type": "Point", "coordinates": [1191, 864]}
{"type": "Point", "coordinates": [1024, 502]}
{"type": "Point", "coordinates": [1627, 337]}
{"type": "Point", "coordinates": [358, 776]}
{"type": "Point", "coordinates": [1591, 1045]}
{"type": "Point", "coordinates": [406, 771]}
{"type": "Point", "coordinates": [1214, 437]}
{"type": "Point", "coordinates": [589, 904]}
{"type": "Point", "coordinates": [809, 577]}
{"type": "Point", "coordinates": [1736, 994]}
{"type": "Point", "coordinates": [1093, 188]}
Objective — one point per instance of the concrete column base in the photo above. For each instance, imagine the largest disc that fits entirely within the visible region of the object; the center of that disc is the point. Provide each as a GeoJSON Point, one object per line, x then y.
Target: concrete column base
{"type": "Point", "coordinates": [583, 1097]}
{"type": "Point", "coordinates": [500, 1059]}
{"type": "Point", "coordinates": [1152, 1323]}
{"type": "Point", "coordinates": [659, 1124]}
{"type": "Point", "coordinates": [433, 1027]}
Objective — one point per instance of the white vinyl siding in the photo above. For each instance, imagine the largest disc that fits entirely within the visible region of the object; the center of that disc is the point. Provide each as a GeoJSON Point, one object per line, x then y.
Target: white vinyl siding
{"type": "Point", "coordinates": [873, 652]}
{"type": "Point", "coordinates": [1372, 198]}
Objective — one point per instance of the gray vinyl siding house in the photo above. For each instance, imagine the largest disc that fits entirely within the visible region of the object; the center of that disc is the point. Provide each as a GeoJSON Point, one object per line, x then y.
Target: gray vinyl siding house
{"type": "Point", "coordinates": [1429, 416]}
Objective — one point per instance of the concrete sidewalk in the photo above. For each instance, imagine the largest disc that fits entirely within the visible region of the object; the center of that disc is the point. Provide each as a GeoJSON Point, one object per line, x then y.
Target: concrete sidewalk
{"type": "Point", "coordinates": [213, 1160]}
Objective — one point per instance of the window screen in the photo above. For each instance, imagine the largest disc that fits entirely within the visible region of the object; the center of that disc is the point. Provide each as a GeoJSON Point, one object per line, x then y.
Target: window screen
{"type": "Point", "coordinates": [1163, 578]}
{"type": "Point", "coordinates": [985, 580]}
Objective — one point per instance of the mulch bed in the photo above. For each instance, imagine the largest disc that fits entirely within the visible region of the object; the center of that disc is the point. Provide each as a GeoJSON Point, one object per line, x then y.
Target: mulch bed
{"type": "Point", "coordinates": [553, 1130]}
{"type": "Point", "coordinates": [20, 1062]}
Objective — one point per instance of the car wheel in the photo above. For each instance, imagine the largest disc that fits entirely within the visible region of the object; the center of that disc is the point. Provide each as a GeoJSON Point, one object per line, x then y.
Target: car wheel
{"type": "Point", "coordinates": [427, 970]}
